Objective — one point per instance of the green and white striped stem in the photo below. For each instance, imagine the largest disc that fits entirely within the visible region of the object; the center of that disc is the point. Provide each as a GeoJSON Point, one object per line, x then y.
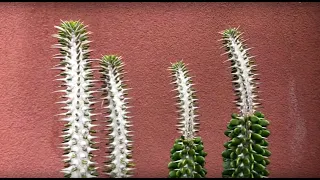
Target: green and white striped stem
{"type": "Point", "coordinates": [187, 154]}
{"type": "Point", "coordinates": [120, 162]}
{"type": "Point", "coordinates": [246, 154]}
{"type": "Point", "coordinates": [76, 78]}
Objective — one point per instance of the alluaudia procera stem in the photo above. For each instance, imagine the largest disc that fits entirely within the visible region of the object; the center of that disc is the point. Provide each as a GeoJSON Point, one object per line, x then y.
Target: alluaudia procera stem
{"type": "Point", "coordinates": [246, 154]}
{"type": "Point", "coordinates": [119, 163]}
{"type": "Point", "coordinates": [76, 77]}
{"type": "Point", "coordinates": [187, 154]}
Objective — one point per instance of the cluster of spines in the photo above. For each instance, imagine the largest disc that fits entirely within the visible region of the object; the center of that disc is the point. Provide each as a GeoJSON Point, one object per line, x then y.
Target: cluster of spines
{"type": "Point", "coordinates": [119, 163]}
{"type": "Point", "coordinates": [243, 71]}
{"type": "Point", "coordinates": [186, 100]}
{"type": "Point", "coordinates": [76, 76]}
{"type": "Point", "coordinates": [247, 153]}
{"type": "Point", "coordinates": [187, 155]}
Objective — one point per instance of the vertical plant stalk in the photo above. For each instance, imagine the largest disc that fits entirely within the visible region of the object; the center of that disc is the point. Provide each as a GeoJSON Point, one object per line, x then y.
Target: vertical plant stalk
{"type": "Point", "coordinates": [187, 154]}
{"type": "Point", "coordinates": [76, 78]}
{"type": "Point", "coordinates": [246, 153]}
{"type": "Point", "coordinates": [120, 163]}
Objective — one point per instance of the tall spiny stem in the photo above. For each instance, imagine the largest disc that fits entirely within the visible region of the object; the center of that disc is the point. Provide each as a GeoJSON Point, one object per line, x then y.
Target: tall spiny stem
{"type": "Point", "coordinates": [247, 153]}
{"type": "Point", "coordinates": [188, 125]}
{"type": "Point", "coordinates": [187, 155]}
{"type": "Point", "coordinates": [242, 71]}
{"type": "Point", "coordinates": [76, 77]}
{"type": "Point", "coordinates": [120, 160]}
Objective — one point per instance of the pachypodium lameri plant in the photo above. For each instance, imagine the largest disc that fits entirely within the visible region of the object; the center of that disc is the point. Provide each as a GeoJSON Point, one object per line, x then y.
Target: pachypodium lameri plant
{"type": "Point", "coordinates": [246, 153]}
{"type": "Point", "coordinates": [76, 78]}
{"type": "Point", "coordinates": [187, 155]}
{"type": "Point", "coordinates": [119, 163]}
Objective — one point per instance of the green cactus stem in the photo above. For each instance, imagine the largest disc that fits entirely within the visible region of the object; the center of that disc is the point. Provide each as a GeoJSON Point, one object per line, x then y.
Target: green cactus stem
{"type": "Point", "coordinates": [76, 77]}
{"type": "Point", "coordinates": [246, 154]}
{"type": "Point", "coordinates": [120, 163]}
{"type": "Point", "coordinates": [187, 155]}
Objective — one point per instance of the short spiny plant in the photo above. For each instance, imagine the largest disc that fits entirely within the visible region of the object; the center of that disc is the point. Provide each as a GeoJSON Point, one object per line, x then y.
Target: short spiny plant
{"type": "Point", "coordinates": [187, 154]}
{"type": "Point", "coordinates": [119, 164]}
{"type": "Point", "coordinates": [76, 78]}
{"type": "Point", "coordinates": [246, 154]}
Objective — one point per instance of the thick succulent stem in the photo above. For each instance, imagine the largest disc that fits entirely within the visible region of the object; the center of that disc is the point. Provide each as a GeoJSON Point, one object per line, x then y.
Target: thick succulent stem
{"type": "Point", "coordinates": [247, 153]}
{"type": "Point", "coordinates": [119, 164]}
{"type": "Point", "coordinates": [187, 155]}
{"type": "Point", "coordinates": [76, 77]}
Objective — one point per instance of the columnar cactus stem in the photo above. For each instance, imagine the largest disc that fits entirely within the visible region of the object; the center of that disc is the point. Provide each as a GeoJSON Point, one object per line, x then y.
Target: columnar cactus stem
{"type": "Point", "coordinates": [247, 153]}
{"type": "Point", "coordinates": [76, 77]}
{"type": "Point", "coordinates": [120, 160]}
{"type": "Point", "coordinates": [242, 71]}
{"type": "Point", "coordinates": [187, 155]}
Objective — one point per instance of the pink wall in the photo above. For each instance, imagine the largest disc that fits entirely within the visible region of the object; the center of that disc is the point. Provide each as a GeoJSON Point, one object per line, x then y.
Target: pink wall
{"type": "Point", "coordinates": [149, 36]}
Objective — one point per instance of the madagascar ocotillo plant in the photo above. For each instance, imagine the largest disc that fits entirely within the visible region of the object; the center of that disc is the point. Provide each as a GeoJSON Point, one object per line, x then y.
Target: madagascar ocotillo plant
{"type": "Point", "coordinates": [187, 155]}
{"type": "Point", "coordinates": [246, 153]}
{"type": "Point", "coordinates": [76, 78]}
{"type": "Point", "coordinates": [119, 163]}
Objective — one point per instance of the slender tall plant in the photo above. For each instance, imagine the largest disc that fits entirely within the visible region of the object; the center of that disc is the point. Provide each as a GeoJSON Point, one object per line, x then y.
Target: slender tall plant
{"type": "Point", "coordinates": [187, 154]}
{"type": "Point", "coordinates": [119, 163]}
{"type": "Point", "coordinates": [76, 78]}
{"type": "Point", "coordinates": [246, 153]}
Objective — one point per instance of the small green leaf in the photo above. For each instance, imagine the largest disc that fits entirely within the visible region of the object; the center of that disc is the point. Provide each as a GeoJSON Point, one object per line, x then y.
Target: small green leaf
{"type": "Point", "coordinates": [200, 160]}
{"type": "Point", "coordinates": [265, 133]}
{"type": "Point", "coordinates": [256, 127]}
{"type": "Point", "coordinates": [259, 114]}
{"type": "Point", "coordinates": [199, 148]}
{"type": "Point", "coordinates": [204, 154]}
{"type": "Point", "coordinates": [234, 122]}
{"type": "Point", "coordinates": [226, 153]}
{"type": "Point", "coordinates": [197, 140]}
{"type": "Point", "coordinates": [235, 141]}
{"type": "Point", "coordinates": [259, 167]}
{"type": "Point", "coordinates": [173, 165]}
{"type": "Point", "coordinates": [236, 131]}
{"type": "Point", "coordinates": [172, 174]}
{"type": "Point", "coordinates": [258, 157]}
{"type": "Point", "coordinates": [267, 153]}
{"type": "Point", "coordinates": [254, 119]}
{"type": "Point", "coordinates": [234, 116]}
{"type": "Point", "coordinates": [258, 148]}
{"type": "Point", "coordinates": [178, 147]}
{"type": "Point", "coordinates": [256, 137]}
{"type": "Point", "coordinates": [192, 152]}
{"type": "Point", "coordinates": [264, 122]}
{"type": "Point", "coordinates": [176, 156]}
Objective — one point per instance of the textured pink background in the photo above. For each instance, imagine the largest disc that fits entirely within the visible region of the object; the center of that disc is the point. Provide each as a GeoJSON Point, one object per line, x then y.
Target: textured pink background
{"type": "Point", "coordinates": [149, 36]}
